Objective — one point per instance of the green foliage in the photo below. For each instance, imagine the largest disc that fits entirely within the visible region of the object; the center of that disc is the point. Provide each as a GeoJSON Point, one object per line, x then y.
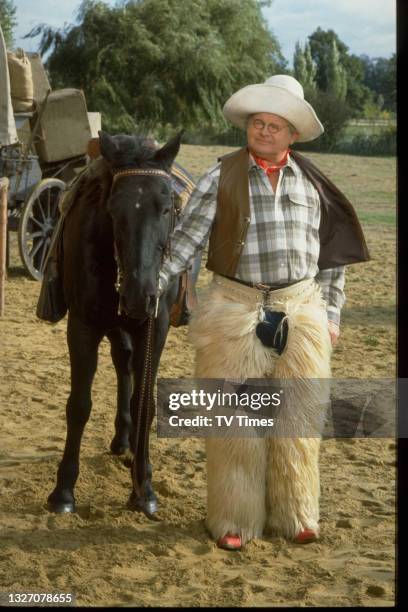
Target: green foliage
{"type": "Point", "coordinates": [382, 144]}
{"type": "Point", "coordinates": [379, 74]}
{"type": "Point", "coordinates": [304, 68]}
{"type": "Point", "coordinates": [334, 114]}
{"type": "Point", "coordinates": [336, 74]}
{"type": "Point", "coordinates": [157, 63]}
{"type": "Point", "coordinates": [299, 65]}
{"type": "Point", "coordinates": [311, 69]}
{"type": "Point", "coordinates": [8, 20]}
{"type": "Point", "coordinates": [321, 47]}
{"type": "Point", "coordinates": [373, 109]}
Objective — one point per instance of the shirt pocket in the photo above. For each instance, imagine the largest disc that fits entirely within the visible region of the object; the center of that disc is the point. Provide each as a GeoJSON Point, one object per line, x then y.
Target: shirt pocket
{"type": "Point", "coordinates": [297, 209]}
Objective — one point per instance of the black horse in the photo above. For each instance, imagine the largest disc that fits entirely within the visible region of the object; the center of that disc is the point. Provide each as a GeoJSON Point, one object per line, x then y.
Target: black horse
{"type": "Point", "coordinates": [114, 238]}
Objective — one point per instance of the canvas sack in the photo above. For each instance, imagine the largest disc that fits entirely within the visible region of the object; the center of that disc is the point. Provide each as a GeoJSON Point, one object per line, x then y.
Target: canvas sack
{"type": "Point", "coordinates": [21, 81]}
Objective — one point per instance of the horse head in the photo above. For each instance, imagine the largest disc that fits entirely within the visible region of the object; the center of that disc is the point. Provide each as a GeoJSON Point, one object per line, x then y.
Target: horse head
{"type": "Point", "coordinates": [141, 208]}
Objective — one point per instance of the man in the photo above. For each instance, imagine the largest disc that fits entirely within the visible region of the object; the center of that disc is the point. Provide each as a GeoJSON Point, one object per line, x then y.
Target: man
{"type": "Point", "coordinates": [280, 234]}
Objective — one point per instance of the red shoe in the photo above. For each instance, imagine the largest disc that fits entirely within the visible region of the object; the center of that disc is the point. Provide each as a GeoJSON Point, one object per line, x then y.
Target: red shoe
{"type": "Point", "coordinates": [230, 542]}
{"type": "Point", "coordinates": [306, 536]}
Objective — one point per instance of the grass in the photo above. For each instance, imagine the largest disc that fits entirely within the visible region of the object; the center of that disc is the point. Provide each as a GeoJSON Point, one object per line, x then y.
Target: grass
{"type": "Point", "coordinates": [371, 341]}
{"type": "Point", "coordinates": [368, 182]}
{"type": "Point", "coordinates": [374, 218]}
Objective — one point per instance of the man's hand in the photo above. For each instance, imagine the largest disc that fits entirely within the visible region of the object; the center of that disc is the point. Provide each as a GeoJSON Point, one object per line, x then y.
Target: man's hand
{"type": "Point", "coordinates": [334, 332]}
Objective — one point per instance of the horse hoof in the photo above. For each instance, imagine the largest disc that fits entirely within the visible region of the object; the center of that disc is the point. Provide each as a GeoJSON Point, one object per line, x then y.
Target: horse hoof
{"type": "Point", "coordinates": [148, 506]}
{"type": "Point", "coordinates": [60, 507]}
{"type": "Point", "coordinates": [127, 461]}
{"type": "Point", "coordinates": [61, 501]}
{"type": "Point", "coordinates": [118, 448]}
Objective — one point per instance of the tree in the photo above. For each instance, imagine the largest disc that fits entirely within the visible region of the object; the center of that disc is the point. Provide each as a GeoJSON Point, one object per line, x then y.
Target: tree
{"type": "Point", "coordinates": [379, 74]}
{"type": "Point", "coordinates": [8, 20]}
{"type": "Point", "coordinates": [146, 63]}
{"type": "Point", "coordinates": [335, 73]}
{"type": "Point", "coordinates": [321, 46]}
{"type": "Point", "coordinates": [304, 68]}
{"type": "Point", "coordinates": [310, 69]}
{"type": "Point", "coordinates": [334, 114]}
{"type": "Point", "coordinates": [325, 86]}
{"type": "Point", "coordinates": [299, 64]}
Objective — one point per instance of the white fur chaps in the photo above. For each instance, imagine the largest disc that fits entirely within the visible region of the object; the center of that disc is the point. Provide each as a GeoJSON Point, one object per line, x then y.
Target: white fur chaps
{"type": "Point", "coordinates": [271, 483]}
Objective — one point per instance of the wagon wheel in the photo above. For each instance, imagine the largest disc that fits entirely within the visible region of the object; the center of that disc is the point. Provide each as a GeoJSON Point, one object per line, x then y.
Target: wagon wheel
{"type": "Point", "coordinates": [37, 221]}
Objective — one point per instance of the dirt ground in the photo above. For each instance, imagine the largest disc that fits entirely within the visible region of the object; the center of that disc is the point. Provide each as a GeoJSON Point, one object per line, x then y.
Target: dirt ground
{"type": "Point", "coordinates": [107, 555]}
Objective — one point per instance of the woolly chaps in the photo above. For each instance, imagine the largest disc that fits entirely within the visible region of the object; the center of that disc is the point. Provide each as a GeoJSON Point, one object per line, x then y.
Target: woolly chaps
{"type": "Point", "coordinates": [263, 483]}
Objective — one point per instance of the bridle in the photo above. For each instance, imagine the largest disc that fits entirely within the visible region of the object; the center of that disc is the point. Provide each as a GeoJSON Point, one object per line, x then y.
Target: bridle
{"type": "Point", "coordinates": [141, 426]}
{"type": "Point", "coordinates": [174, 215]}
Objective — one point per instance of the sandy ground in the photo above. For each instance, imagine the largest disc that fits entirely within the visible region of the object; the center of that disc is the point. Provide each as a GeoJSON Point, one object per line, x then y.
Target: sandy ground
{"type": "Point", "coordinates": [108, 555]}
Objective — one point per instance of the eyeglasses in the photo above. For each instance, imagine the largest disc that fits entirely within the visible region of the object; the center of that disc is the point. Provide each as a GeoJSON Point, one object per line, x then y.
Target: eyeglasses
{"type": "Point", "coordinates": [272, 128]}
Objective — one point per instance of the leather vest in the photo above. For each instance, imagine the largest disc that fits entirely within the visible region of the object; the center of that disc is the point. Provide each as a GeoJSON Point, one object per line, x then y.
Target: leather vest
{"type": "Point", "coordinates": [341, 237]}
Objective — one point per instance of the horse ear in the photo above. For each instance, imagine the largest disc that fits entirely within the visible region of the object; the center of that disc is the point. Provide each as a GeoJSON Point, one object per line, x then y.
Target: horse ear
{"type": "Point", "coordinates": [109, 148]}
{"type": "Point", "coordinates": [167, 154]}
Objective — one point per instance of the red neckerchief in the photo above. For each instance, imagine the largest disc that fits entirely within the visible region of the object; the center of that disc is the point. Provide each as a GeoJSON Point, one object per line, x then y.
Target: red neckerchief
{"type": "Point", "coordinates": [271, 168]}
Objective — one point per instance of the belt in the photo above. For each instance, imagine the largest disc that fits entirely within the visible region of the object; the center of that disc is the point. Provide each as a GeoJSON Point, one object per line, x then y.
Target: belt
{"type": "Point", "coordinates": [261, 286]}
{"type": "Point", "coordinates": [266, 296]}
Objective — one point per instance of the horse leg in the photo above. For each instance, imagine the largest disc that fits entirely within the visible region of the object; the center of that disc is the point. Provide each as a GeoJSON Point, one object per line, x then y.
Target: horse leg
{"type": "Point", "coordinates": [150, 503]}
{"type": "Point", "coordinates": [121, 352]}
{"type": "Point", "coordinates": [83, 342]}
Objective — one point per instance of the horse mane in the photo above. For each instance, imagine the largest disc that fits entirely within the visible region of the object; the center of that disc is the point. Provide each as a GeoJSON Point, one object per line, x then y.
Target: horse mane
{"type": "Point", "coordinates": [96, 181]}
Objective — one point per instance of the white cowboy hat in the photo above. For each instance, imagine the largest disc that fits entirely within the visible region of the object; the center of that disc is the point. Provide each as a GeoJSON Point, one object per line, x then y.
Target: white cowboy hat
{"type": "Point", "coordinates": [281, 95]}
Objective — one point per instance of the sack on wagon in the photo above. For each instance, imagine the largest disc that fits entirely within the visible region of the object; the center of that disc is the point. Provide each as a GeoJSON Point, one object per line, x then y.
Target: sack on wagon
{"type": "Point", "coordinates": [21, 81]}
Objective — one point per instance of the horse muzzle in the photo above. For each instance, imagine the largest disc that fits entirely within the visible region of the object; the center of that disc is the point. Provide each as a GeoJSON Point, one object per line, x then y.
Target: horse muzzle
{"type": "Point", "coordinates": [138, 309]}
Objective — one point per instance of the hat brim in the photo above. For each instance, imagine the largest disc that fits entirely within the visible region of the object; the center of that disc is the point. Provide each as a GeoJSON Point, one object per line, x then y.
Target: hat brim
{"type": "Point", "coordinates": [262, 98]}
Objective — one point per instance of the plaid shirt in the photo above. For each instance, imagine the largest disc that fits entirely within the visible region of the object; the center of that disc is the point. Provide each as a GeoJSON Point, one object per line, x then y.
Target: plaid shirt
{"type": "Point", "coordinates": [282, 243]}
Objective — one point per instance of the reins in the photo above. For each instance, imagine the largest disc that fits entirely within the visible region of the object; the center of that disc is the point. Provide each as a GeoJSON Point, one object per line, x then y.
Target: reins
{"type": "Point", "coordinates": [143, 420]}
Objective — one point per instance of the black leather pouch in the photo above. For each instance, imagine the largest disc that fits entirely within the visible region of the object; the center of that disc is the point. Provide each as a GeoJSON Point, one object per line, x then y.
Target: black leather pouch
{"type": "Point", "coordinates": [51, 304]}
{"type": "Point", "coordinates": [273, 330]}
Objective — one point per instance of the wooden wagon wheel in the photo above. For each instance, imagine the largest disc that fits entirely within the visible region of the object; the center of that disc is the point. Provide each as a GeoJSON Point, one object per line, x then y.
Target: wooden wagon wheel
{"type": "Point", "coordinates": [37, 221]}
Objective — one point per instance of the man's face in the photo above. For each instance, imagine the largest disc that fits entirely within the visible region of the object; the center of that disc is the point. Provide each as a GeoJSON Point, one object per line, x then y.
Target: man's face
{"type": "Point", "coordinates": [269, 135]}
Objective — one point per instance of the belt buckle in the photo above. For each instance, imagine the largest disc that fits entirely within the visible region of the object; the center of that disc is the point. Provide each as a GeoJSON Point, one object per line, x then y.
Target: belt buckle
{"type": "Point", "coordinates": [265, 292]}
{"type": "Point", "coordinates": [264, 288]}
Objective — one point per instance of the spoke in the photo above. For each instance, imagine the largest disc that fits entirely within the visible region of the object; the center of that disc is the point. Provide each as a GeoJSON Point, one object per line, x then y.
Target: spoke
{"type": "Point", "coordinates": [49, 202]}
{"type": "Point", "coordinates": [33, 235]}
{"type": "Point", "coordinates": [32, 218]}
{"type": "Point", "coordinates": [43, 254]}
{"type": "Point", "coordinates": [35, 249]}
{"type": "Point", "coordinates": [38, 201]}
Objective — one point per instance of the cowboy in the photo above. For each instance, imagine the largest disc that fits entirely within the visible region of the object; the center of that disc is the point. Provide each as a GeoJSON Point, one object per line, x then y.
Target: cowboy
{"type": "Point", "coordinates": [280, 234]}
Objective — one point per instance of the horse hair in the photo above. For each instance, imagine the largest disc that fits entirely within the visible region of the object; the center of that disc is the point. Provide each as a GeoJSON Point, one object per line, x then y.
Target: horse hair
{"type": "Point", "coordinates": [97, 181]}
